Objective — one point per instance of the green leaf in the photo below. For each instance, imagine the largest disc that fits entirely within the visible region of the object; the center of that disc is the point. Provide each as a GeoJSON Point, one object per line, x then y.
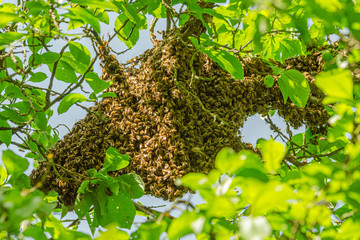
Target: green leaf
{"type": "Point", "coordinates": [133, 184]}
{"type": "Point", "coordinates": [129, 11]}
{"type": "Point", "coordinates": [269, 81]}
{"type": "Point", "coordinates": [14, 66]}
{"type": "Point", "coordinates": [194, 181]}
{"type": "Point", "coordinates": [96, 4]}
{"type": "Point", "coordinates": [35, 44]}
{"type": "Point", "coordinates": [3, 175]}
{"type": "Point", "coordinates": [65, 72]}
{"type": "Point", "coordinates": [96, 84]}
{"type": "Point", "coordinates": [320, 172]}
{"type": "Point", "coordinates": [226, 61]}
{"type": "Point", "coordinates": [49, 57]}
{"type": "Point", "coordinates": [69, 100]}
{"type": "Point", "coordinates": [276, 69]}
{"type": "Point", "coordinates": [5, 135]}
{"type": "Point", "coordinates": [80, 53]}
{"type": "Point", "coordinates": [114, 160]}
{"type": "Point", "coordinates": [37, 77]}
{"type": "Point", "coordinates": [273, 153]}
{"type": "Point", "coordinates": [294, 85]}
{"type": "Point", "coordinates": [35, 232]}
{"type": "Point", "coordinates": [215, 1]}
{"type": "Point", "coordinates": [108, 94]}
{"type": "Point", "coordinates": [37, 8]}
{"type": "Point", "coordinates": [337, 84]}
{"type": "Point", "coordinates": [86, 16]}
{"type": "Point", "coordinates": [129, 29]}
{"type": "Point", "coordinates": [112, 233]}
{"type": "Point", "coordinates": [228, 161]}
{"type": "Point", "coordinates": [64, 211]}
{"type": "Point", "coordinates": [221, 206]}
{"type": "Point", "coordinates": [194, 41]}
{"type": "Point", "coordinates": [6, 17]}
{"type": "Point", "coordinates": [14, 164]}
{"type": "Point", "coordinates": [353, 194]}
{"type": "Point", "coordinates": [13, 115]}
{"type": "Point", "coordinates": [82, 207]}
{"type": "Point", "coordinates": [83, 186]}
{"type": "Point", "coordinates": [121, 210]}
{"type": "Point", "coordinates": [79, 67]}
{"type": "Point", "coordinates": [267, 197]}
{"type": "Point", "coordinates": [149, 230]}
{"type": "Point", "coordinates": [12, 91]}
{"type": "Point", "coordinates": [182, 226]}
{"type": "Point", "coordinates": [20, 181]}
{"type": "Point", "coordinates": [183, 19]}
{"type": "Point", "coordinates": [8, 37]}
{"type": "Point", "coordinates": [249, 172]}
{"type": "Point", "coordinates": [103, 17]}
{"type": "Point", "coordinates": [41, 120]}
{"type": "Point", "coordinates": [35, 60]}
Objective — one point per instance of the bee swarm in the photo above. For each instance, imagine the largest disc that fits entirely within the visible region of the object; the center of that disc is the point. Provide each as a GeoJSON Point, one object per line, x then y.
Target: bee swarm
{"type": "Point", "coordinates": [171, 121]}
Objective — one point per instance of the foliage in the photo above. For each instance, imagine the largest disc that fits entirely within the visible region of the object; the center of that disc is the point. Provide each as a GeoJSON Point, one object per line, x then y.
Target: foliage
{"type": "Point", "coordinates": [306, 189]}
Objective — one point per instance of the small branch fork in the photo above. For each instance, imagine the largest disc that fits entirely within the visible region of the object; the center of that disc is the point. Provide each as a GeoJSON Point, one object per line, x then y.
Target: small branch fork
{"type": "Point", "coordinates": [295, 149]}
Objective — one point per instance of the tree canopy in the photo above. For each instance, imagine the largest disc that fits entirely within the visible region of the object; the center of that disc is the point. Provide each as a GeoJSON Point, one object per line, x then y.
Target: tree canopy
{"type": "Point", "coordinates": [167, 122]}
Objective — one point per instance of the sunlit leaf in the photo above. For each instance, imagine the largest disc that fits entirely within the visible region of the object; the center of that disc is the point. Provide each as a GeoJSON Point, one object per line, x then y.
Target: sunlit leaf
{"type": "Point", "coordinates": [269, 81]}
{"type": "Point", "coordinates": [65, 72]}
{"type": "Point", "coordinates": [112, 233]}
{"type": "Point", "coordinates": [3, 174]}
{"type": "Point", "coordinates": [69, 100]}
{"type": "Point", "coordinates": [182, 226]}
{"type": "Point", "coordinates": [37, 77]}
{"type": "Point", "coordinates": [150, 230]}
{"type": "Point", "coordinates": [86, 16]}
{"type": "Point", "coordinates": [108, 94]}
{"type": "Point", "coordinates": [49, 57]}
{"type": "Point", "coordinates": [221, 207]}
{"type": "Point", "coordinates": [14, 164]}
{"type": "Point", "coordinates": [194, 180]}
{"type": "Point", "coordinates": [36, 232]}
{"type": "Point", "coordinates": [121, 209]}
{"type": "Point", "coordinates": [6, 17]}
{"type": "Point", "coordinates": [337, 84]}
{"type": "Point", "coordinates": [129, 32]}
{"type": "Point", "coordinates": [229, 161]}
{"type": "Point", "coordinates": [79, 67]}
{"type": "Point", "coordinates": [226, 61]}
{"type": "Point", "coordinates": [96, 4]}
{"type": "Point", "coordinates": [129, 11]}
{"type": "Point", "coordinates": [294, 85]}
{"type": "Point", "coordinates": [132, 183]}
{"type": "Point", "coordinates": [8, 37]}
{"type": "Point", "coordinates": [272, 153]}
{"type": "Point", "coordinates": [80, 52]}
{"type": "Point", "coordinates": [114, 160]}
{"type": "Point", "coordinates": [96, 84]}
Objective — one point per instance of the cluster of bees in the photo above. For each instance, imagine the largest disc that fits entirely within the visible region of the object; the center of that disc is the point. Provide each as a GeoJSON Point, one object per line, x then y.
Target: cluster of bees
{"type": "Point", "coordinates": [171, 121]}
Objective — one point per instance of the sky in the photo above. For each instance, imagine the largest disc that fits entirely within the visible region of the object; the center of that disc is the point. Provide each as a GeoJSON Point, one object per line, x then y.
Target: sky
{"type": "Point", "coordinates": [253, 129]}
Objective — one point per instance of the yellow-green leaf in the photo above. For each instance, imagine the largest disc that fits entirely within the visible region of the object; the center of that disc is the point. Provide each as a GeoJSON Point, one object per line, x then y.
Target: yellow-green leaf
{"type": "Point", "coordinates": [337, 84]}
{"type": "Point", "coordinates": [69, 100]}
{"type": "Point", "coordinates": [272, 152]}
{"type": "Point", "coordinates": [14, 164]}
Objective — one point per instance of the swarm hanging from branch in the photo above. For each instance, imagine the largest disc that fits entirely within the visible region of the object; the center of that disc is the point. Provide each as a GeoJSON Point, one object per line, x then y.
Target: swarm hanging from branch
{"type": "Point", "coordinates": [172, 116]}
